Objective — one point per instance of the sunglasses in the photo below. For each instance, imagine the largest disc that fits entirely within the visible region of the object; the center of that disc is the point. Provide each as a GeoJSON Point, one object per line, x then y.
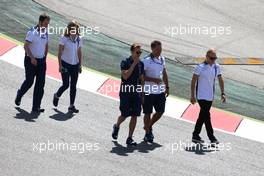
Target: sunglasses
{"type": "Point", "coordinates": [212, 58]}
{"type": "Point", "coordinates": [138, 52]}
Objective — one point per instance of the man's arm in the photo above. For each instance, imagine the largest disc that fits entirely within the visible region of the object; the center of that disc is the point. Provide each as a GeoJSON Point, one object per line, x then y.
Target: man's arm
{"type": "Point", "coordinates": [127, 73]}
{"type": "Point", "coordinates": [28, 51]}
{"type": "Point", "coordinates": [80, 55]}
{"type": "Point", "coordinates": [61, 48]}
{"type": "Point", "coordinates": [166, 81]}
{"type": "Point", "coordinates": [222, 88]}
{"type": "Point", "coordinates": [46, 50]}
{"type": "Point", "coordinates": [193, 84]}
{"type": "Point", "coordinates": [221, 84]}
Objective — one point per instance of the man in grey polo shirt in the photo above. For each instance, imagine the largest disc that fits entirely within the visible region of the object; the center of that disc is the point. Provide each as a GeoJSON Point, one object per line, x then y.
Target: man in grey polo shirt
{"type": "Point", "coordinates": [203, 82]}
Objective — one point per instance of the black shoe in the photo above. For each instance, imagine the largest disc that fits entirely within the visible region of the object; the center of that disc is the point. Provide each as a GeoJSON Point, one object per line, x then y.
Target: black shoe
{"type": "Point", "coordinates": [130, 142]}
{"type": "Point", "coordinates": [214, 142]}
{"type": "Point", "coordinates": [197, 139]}
{"type": "Point", "coordinates": [148, 138]}
{"type": "Point", "coordinates": [115, 132]}
{"type": "Point", "coordinates": [72, 109]}
{"type": "Point", "coordinates": [18, 98]}
{"type": "Point", "coordinates": [55, 100]}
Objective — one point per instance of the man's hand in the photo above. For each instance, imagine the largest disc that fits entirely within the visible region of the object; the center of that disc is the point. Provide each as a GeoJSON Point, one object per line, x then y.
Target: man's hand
{"type": "Point", "coordinates": [80, 69]}
{"type": "Point", "coordinates": [193, 100]}
{"type": "Point", "coordinates": [167, 92]}
{"type": "Point", "coordinates": [60, 69]}
{"type": "Point", "coordinates": [34, 61]}
{"type": "Point", "coordinates": [223, 98]}
{"type": "Point", "coordinates": [158, 81]}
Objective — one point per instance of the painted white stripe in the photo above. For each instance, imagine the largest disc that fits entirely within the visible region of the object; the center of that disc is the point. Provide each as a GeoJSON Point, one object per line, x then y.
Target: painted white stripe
{"type": "Point", "coordinates": [175, 107]}
{"type": "Point", "coordinates": [251, 130]}
{"type": "Point", "coordinates": [15, 56]}
{"type": "Point", "coordinates": [90, 81]}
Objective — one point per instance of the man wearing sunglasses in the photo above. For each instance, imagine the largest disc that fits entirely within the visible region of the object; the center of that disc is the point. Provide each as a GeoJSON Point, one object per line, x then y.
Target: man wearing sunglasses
{"type": "Point", "coordinates": [132, 70]}
{"type": "Point", "coordinates": [203, 81]}
{"type": "Point", "coordinates": [156, 89]}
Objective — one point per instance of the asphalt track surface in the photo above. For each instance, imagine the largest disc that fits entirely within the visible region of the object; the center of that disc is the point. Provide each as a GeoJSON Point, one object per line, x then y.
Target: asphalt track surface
{"type": "Point", "coordinates": [93, 125]}
{"type": "Point", "coordinates": [142, 21]}
{"type": "Point", "coordinates": [103, 53]}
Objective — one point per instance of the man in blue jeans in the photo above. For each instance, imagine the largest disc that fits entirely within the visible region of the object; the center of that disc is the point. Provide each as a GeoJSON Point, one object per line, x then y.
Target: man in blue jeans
{"type": "Point", "coordinates": [131, 89]}
{"type": "Point", "coordinates": [203, 81]}
{"type": "Point", "coordinates": [36, 48]}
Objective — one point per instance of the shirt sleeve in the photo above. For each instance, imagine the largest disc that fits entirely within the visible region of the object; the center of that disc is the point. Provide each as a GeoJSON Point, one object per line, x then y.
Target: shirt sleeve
{"type": "Point", "coordinates": [48, 38]}
{"type": "Point", "coordinates": [62, 41]}
{"type": "Point", "coordinates": [197, 70]}
{"type": "Point", "coordinates": [145, 63]}
{"type": "Point", "coordinates": [29, 36]}
{"type": "Point", "coordinates": [81, 43]}
{"type": "Point", "coordinates": [164, 64]}
{"type": "Point", "coordinates": [218, 70]}
{"type": "Point", "coordinates": [124, 65]}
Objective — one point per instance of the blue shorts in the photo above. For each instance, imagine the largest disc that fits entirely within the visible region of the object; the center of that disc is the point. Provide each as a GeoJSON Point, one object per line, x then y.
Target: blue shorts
{"type": "Point", "coordinates": [157, 101]}
{"type": "Point", "coordinates": [130, 104]}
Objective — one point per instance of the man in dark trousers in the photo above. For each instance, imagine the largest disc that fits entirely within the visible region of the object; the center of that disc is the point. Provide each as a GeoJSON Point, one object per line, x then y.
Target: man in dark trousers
{"type": "Point", "coordinates": [36, 48]}
{"type": "Point", "coordinates": [203, 81]}
{"type": "Point", "coordinates": [131, 91]}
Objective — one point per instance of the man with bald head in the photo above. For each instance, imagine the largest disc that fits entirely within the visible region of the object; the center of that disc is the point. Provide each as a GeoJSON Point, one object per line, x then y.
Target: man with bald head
{"type": "Point", "coordinates": [202, 90]}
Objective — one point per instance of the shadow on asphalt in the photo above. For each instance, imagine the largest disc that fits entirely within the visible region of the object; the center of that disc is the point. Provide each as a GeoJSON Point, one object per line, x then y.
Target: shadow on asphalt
{"type": "Point", "coordinates": [23, 114]}
{"type": "Point", "coordinates": [142, 147]}
{"type": "Point", "coordinates": [61, 116]}
{"type": "Point", "coordinates": [201, 149]}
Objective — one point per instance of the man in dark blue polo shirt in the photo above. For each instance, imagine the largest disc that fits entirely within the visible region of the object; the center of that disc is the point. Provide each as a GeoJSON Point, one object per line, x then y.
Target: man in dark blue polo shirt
{"type": "Point", "coordinates": [130, 92]}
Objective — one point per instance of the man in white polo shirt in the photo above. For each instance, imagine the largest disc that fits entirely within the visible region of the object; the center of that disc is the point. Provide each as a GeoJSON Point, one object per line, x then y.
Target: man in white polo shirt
{"type": "Point", "coordinates": [156, 88]}
{"type": "Point", "coordinates": [36, 48]}
{"type": "Point", "coordinates": [203, 81]}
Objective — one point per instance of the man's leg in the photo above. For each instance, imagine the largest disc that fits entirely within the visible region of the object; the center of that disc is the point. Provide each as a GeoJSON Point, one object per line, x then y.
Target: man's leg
{"type": "Point", "coordinates": [125, 112]}
{"type": "Point", "coordinates": [30, 72]}
{"type": "Point", "coordinates": [159, 106]}
{"type": "Point", "coordinates": [147, 110]}
{"type": "Point", "coordinates": [132, 125]}
{"type": "Point", "coordinates": [74, 79]}
{"type": "Point", "coordinates": [120, 120]}
{"type": "Point", "coordinates": [39, 86]}
{"type": "Point", "coordinates": [207, 122]}
{"type": "Point", "coordinates": [147, 122]}
{"type": "Point", "coordinates": [200, 120]}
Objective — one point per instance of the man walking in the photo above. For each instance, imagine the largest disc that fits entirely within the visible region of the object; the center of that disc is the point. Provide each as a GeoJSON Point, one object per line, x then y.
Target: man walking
{"type": "Point", "coordinates": [36, 48]}
{"type": "Point", "coordinates": [156, 88]}
{"type": "Point", "coordinates": [132, 70]}
{"type": "Point", "coordinates": [203, 81]}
